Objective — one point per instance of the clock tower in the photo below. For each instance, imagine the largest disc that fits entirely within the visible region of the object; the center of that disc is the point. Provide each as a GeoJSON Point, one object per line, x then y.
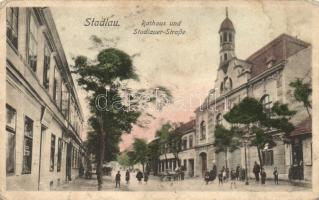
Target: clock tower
{"type": "Point", "coordinates": [227, 40]}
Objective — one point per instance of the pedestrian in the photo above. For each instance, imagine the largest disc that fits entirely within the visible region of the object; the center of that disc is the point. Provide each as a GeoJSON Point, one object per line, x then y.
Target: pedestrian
{"type": "Point", "coordinates": [256, 171]}
{"type": "Point", "coordinates": [127, 176]}
{"type": "Point", "coordinates": [276, 175]}
{"type": "Point", "coordinates": [224, 175]}
{"type": "Point", "coordinates": [206, 177]}
{"type": "Point", "coordinates": [145, 177]}
{"type": "Point", "coordinates": [220, 178]}
{"type": "Point", "coordinates": [139, 176]}
{"type": "Point", "coordinates": [214, 172]}
{"type": "Point", "coordinates": [233, 179]}
{"type": "Point", "coordinates": [118, 179]}
{"type": "Point", "coordinates": [263, 176]}
{"type": "Point", "coordinates": [237, 172]}
{"type": "Point", "coordinates": [227, 173]}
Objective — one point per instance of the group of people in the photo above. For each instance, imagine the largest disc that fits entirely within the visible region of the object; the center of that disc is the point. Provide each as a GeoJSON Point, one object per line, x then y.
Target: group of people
{"type": "Point", "coordinates": [257, 170]}
{"type": "Point", "coordinates": [139, 176]}
{"type": "Point", "coordinates": [239, 174]}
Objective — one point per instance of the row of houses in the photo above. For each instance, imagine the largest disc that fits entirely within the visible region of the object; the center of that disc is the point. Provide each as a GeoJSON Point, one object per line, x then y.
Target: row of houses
{"type": "Point", "coordinates": [44, 120]}
{"type": "Point", "coordinates": [265, 75]}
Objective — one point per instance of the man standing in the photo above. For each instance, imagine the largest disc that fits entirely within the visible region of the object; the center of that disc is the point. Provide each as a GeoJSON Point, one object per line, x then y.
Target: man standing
{"type": "Point", "coordinates": [256, 171]}
{"type": "Point", "coordinates": [118, 179]}
{"type": "Point", "coordinates": [276, 176]}
{"type": "Point", "coordinates": [127, 176]}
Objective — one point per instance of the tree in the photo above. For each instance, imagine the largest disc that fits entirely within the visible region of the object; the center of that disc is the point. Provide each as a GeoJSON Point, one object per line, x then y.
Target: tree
{"type": "Point", "coordinates": [302, 92]}
{"type": "Point", "coordinates": [226, 140]}
{"type": "Point", "coordinates": [259, 124]}
{"type": "Point", "coordinates": [110, 114]}
{"type": "Point", "coordinates": [124, 160]}
{"type": "Point", "coordinates": [153, 153]}
{"type": "Point", "coordinates": [163, 135]}
{"type": "Point", "coordinates": [174, 143]}
{"type": "Point", "coordinates": [140, 149]}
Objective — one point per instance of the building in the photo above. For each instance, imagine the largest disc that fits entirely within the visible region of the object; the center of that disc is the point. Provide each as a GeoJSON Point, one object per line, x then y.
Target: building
{"type": "Point", "coordinates": [43, 114]}
{"type": "Point", "coordinates": [186, 155]}
{"type": "Point", "coordinates": [265, 75]}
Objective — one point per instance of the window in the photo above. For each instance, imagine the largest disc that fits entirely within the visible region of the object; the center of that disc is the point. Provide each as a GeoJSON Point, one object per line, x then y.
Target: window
{"type": "Point", "coordinates": [219, 119]}
{"type": "Point", "coordinates": [55, 85]}
{"type": "Point", "coordinates": [225, 56]}
{"type": "Point", "coordinates": [202, 130]}
{"type": "Point", "coordinates": [11, 116]}
{"type": "Point", "coordinates": [228, 84]}
{"type": "Point", "coordinates": [268, 157]}
{"type": "Point", "coordinates": [267, 103]}
{"type": "Point", "coordinates": [184, 144]}
{"type": "Point", "coordinates": [221, 39]}
{"type": "Point", "coordinates": [46, 67]}
{"type": "Point", "coordinates": [225, 37]}
{"type": "Point", "coordinates": [59, 154]}
{"type": "Point", "coordinates": [190, 141]}
{"type": "Point", "coordinates": [12, 25]}
{"type": "Point", "coordinates": [65, 100]}
{"type": "Point", "coordinates": [27, 150]}
{"type": "Point", "coordinates": [52, 152]}
{"type": "Point", "coordinates": [230, 38]}
{"type": "Point", "coordinates": [33, 43]}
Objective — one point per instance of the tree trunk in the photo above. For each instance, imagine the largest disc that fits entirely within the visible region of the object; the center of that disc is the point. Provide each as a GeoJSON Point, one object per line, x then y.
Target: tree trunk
{"type": "Point", "coordinates": [99, 168]}
{"type": "Point", "coordinates": [308, 111]}
{"type": "Point", "coordinates": [166, 163]}
{"type": "Point", "coordinates": [260, 160]}
{"type": "Point", "coordinates": [143, 168]}
{"type": "Point", "coordinates": [226, 157]}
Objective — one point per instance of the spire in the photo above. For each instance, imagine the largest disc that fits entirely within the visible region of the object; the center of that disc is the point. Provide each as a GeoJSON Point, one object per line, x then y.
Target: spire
{"type": "Point", "coordinates": [226, 12]}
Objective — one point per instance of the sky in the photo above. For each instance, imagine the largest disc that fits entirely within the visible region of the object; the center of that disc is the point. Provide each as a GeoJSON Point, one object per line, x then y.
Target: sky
{"type": "Point", "coordinates": [185, 64]}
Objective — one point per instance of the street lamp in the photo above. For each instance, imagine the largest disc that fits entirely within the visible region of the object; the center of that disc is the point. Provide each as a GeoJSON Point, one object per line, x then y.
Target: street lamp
{"type": "Point", "coordinates": [246, 169]}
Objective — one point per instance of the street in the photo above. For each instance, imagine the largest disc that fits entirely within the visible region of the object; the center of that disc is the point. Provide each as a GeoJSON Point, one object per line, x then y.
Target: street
{"type": "Point", "coordinates": [192, 184]}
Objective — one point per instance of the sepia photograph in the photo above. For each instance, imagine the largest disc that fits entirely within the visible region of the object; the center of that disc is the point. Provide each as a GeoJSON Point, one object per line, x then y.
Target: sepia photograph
{"type": "Point", "coordinates": [145, 97]}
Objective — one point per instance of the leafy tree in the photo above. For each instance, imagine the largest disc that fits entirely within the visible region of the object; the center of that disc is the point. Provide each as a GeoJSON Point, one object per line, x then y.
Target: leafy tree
{"type": "Point", "coordinates": [259, 124]}
{"type": "Point", "coordinates": [174, 143]}
{"type": "Point", "coordinates": [124, 160]}
{"type": "Point", "coordinates": [163, 135]}
{"type": "Point", "coordinates": [226, 140]}
{"type": "Point", "coordinates": [110, 114]}
{"type": "Point", "coordinates": [140, 149]}
{"type": "Point", "coordinates": [302, 93]}
{"type": "Point", "coordinates": [153, 153]}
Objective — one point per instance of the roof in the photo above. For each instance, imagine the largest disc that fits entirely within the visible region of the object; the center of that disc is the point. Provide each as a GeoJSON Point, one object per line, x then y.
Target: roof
{"type": "Point", "coordinates": [227, 24]}
{"type": "Point", "coordinates": [302, 128]}
{"type": "Point", "coordinates": [278, 50]}
{"type": "Point", "coordinates": [186, 127]}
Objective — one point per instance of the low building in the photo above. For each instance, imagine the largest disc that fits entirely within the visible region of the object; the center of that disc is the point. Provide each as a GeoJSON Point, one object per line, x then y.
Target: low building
{"type": "Point", "coordinates": [186, 154]}
{"type": "Point", "coordinates": [44, 117]}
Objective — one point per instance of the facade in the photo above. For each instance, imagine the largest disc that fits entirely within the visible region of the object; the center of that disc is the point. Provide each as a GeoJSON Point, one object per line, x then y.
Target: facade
{"type": "Point", "coordinates": [186, 157]}
{"type": "Point", "coordinates": [264, 75]}
{"type": "Point", "coordinates": [44, 117]}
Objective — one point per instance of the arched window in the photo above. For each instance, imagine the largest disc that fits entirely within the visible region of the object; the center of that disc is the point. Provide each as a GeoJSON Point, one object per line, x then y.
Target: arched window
{"type": "Point", "coordinates": [225, 56]}
{"type": "Point", "coordinates": [267, 104]}
{"type": "Point", "coordinates": [202, 130]}
{"type": "Point", "coordinates": [219, 119]}
{"type": "Point", "coordinates": [228, 84]}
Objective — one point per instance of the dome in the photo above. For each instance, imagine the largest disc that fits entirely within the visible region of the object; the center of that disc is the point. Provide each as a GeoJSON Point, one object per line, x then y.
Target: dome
{"type": "Point", "coordinates": [227, 24]}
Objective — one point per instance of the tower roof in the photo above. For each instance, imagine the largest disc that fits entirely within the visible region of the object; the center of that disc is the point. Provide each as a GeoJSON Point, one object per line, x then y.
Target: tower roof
{"type": "Point", "coordinates": [227, 24]}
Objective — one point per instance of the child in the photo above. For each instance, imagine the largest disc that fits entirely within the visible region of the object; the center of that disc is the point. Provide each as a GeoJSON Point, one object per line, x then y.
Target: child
{"type": "Point", "coordinates": [276, 176]}
{"type": "Point", "coordinates": [206, 177]}
{"type": "Point", "coordinates": [233, 179]}
{"type": "Point", "coordinates": [220, 178]}
{"type": "Point", "coordinates": [263, 176]}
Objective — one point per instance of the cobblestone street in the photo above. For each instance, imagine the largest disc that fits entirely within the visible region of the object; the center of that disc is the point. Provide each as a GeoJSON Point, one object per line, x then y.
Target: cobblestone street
{"type": "Point", "coordinates": [194, 184]}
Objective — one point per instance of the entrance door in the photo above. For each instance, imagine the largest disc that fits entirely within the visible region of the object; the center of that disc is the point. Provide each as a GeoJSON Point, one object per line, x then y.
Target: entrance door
{"type": "Point", "coordinates": [203, 158]}
{"type": "Point", "coordinates": [297, 159]}
{"type": "Point", "coordinates": [191, 167]}
{"type": "Point", "coordinates": [68, 162]}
